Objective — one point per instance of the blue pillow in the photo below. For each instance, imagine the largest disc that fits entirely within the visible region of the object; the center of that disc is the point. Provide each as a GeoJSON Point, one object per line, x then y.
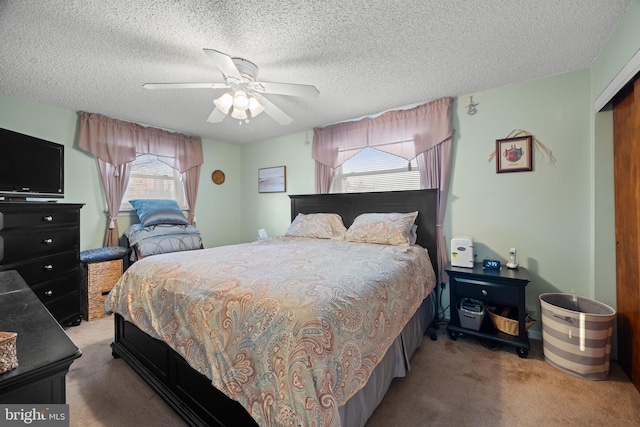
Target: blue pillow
{"type": "Point", "coordinates": [158, 211]}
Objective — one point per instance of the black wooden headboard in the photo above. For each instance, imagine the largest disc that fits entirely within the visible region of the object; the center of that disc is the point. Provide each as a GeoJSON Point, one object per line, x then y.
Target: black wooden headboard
{"type": "Point", "coordinates": [350, 205]}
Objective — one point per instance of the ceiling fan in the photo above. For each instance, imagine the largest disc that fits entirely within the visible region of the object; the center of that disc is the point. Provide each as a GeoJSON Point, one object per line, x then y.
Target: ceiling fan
{"type": "Point", "coordinates": [245, 94]}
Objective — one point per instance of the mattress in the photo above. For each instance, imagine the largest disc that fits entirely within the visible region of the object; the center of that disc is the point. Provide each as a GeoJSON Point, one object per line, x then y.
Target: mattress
{"type": "Point", "coordinates": [289, 327]}
{"type": "Point", "coordinates": [161, 239]}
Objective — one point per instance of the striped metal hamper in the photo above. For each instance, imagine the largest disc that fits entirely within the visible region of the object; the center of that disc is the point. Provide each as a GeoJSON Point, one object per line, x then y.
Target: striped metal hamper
{"type": "Point", "coordinates": [576, 334]}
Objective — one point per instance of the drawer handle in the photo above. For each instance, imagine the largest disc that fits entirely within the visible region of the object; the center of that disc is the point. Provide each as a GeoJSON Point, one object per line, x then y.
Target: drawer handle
{"type": "Point", "coordinates": [49, 293]}
{"type": "Point", "coordinates": [484, 292]}
{"type": "Point", "coordinates": [47, 241]}
{"type": "Point", "coordinates": [48, 267]}
{"type": "Point", "coordinates": [48, 218]}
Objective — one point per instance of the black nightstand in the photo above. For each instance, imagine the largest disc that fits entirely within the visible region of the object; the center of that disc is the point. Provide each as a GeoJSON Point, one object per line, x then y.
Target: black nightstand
{"type": "Point", "coordinates": [493, 287]}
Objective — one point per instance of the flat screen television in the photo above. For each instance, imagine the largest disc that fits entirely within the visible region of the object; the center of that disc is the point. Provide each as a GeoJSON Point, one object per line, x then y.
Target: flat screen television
{"type": "Point", "coordinates": [30, 167]}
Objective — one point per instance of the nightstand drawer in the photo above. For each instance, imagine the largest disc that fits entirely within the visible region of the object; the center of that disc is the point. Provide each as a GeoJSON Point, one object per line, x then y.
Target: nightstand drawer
{"type": "Point", "coordinates": [485, 291]}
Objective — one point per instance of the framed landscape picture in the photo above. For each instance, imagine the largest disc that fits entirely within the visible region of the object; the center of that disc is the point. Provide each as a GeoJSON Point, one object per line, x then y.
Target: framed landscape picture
{"type": "Point", "coordinates": [272, 180]}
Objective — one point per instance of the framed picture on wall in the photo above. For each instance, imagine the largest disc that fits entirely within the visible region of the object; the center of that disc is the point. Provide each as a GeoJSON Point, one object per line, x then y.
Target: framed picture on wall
{"type": "Point", "coordinates": [514, 154]}
{"type": "Point", "coordinates": [272, 180]}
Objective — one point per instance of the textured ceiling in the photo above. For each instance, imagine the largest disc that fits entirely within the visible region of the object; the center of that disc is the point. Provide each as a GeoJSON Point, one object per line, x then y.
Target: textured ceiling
{"type": "Point", "coordinates": [364, 56]}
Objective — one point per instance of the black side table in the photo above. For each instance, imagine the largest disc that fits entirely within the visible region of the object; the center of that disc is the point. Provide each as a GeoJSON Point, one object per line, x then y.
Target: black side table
{"type": "Point", "coordinates": [492, 287]}
{"type": "Point", "coordinates": [44, 350]}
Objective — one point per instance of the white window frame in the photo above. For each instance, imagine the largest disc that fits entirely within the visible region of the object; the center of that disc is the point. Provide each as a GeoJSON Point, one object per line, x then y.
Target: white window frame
{"type": "Point", "coordinates": [339, 176]}
{"type": "Point", "coordinates": [176, 179]}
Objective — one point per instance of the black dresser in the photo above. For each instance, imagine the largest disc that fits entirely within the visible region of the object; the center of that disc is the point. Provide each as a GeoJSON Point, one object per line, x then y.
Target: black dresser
{"type": "Point", "coordinates": [44, 350]}
{"type": "Point", "coordinates": [41, 241]}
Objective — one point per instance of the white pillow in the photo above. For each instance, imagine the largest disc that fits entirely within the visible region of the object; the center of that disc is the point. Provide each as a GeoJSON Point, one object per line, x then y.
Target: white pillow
{"type": "Point", "coordinates": [317, 226]}
{"type": "Point", "coordinates": [382, 228]}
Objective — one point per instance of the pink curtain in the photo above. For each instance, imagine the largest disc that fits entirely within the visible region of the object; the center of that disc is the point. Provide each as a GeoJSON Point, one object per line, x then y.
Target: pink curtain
{"type": "Point", "coordinates": [333, 145]}
{"type": "Point", "coordinates": [435, 172]}
{"type": "Point", "coordinates": [424, 132]}
{"type": "Point", "coordinates": [116, 144]}
{"type": "Point", "coordinates": [114, 182]}
{"type": "Point", "coordinates": [190, 182]}
{"type": "Point", "coordinates": [405, 133]}
{"type": "Point", "coordinates": [324, 178]}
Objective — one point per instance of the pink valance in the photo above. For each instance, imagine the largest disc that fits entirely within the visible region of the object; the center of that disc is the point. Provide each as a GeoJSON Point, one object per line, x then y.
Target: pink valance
{"type": "Point", "coordinates": [405, 133]}
{"type": "Point", "coordinates": [118, 142]}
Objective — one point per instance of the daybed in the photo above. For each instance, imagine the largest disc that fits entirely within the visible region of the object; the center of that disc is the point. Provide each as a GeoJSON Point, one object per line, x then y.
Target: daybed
{"type": "Point", "coordinates": [211, 328]}
{"type": "Point", "coordinates": [163, 228]}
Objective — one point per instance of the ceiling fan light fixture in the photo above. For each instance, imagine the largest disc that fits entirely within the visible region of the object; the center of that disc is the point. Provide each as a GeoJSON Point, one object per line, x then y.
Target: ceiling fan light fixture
{"type": "Point", "coordinates": [224, 103]}
{"type": "Point", "coordinates": [240, 100]}
{"type": "Point", "coordinates": [240, 77]}
{"type": "Point", "coordinates": [239, 114]}
{"type": "Point", "coordinates": [255, 107]}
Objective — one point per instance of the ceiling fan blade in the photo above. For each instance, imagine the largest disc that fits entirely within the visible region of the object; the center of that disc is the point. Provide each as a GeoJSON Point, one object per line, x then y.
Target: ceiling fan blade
{"type": "Point", "coordinates": [185, 86]}
{"type": "Point", "coordinates": [216, 116]}
{"type": "Point", "coordinates": [276, 114]}
{"type": "Point", "coordinates": [288, 89]}
{"type": "Point", "coordinates": [224, 63]}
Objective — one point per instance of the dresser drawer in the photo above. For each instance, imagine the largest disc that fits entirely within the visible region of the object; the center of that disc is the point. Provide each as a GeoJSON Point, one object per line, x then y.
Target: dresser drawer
{"type": "Point", "coordinates": [12, 219]}
{"type": "Point", "coordinates": [41, 241]}
{"type": "Point", "coordinates": [487, 292]}
{"type": "Point", "coordinates": [66, 309]}
{"type": "Point", "coordinates": [45, 268]}
{"type": "Point", "coordinates": [53, 290]}
{"type": "Point", "coordinates": [28, 244]}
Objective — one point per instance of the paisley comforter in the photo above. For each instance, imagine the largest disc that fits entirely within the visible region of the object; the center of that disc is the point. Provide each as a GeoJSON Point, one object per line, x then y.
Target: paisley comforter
{"type": "Point", "coordinates": [289, 327]}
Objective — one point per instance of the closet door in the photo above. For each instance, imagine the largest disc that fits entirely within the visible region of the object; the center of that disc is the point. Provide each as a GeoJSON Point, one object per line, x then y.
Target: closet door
{"type": "Point", "coordinates": [626, 148]}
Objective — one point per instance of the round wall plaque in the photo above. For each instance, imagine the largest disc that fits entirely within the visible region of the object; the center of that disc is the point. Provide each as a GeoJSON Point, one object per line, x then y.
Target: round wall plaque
{"type": "Point", "coordinates": [217, 177]}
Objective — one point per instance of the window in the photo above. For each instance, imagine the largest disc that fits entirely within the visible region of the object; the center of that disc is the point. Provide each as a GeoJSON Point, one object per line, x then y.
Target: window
{"type": "Point", "coordinates": [152, 179]}
{"type": "Point", "coordinates": [374, 170]}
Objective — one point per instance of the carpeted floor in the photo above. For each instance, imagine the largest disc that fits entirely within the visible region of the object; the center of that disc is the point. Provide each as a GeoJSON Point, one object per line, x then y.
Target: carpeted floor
{"type": "Point", "coordinates": [452, 383]}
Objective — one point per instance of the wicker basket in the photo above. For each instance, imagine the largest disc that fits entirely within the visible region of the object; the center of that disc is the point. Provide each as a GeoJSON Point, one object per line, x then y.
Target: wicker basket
{"type": "Point", "coordinates": [507, 325]}
{"type": "Point", "coordinates": [8, 354]}
{"type": "Point", "coordinates": [98, 279]}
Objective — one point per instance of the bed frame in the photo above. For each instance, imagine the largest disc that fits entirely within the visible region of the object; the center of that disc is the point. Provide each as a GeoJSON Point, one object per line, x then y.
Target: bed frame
{"type": "Point", "coordinates": [190, 393]}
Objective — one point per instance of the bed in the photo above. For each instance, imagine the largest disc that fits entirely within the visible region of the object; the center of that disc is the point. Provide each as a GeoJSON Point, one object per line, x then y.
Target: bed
{"type": "Point", "coordinates": [161, 239]}
{"type": "Point", "coordinates": [163, 228]}
{"type": "Point", "coordinates": [288, 361]}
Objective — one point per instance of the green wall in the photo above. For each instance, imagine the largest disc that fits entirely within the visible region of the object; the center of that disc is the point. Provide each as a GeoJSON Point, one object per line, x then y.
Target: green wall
{"type": "Point", "coordinates": [82, 181]}
{"type": "Point", "coordinates": [272, 211]}
{"type": "Point", "coordinates": [622, 45]}
{"type": "Point", "coordinates": [217, 207]}
{"type": "Point", "coordinates": [560, 216]}
{"type": "Point", "coordinates": [545, 214]}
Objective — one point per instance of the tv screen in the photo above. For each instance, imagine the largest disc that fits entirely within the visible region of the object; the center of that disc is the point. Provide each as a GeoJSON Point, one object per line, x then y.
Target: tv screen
{"type": "Point", "coordinates": [30, 167]}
